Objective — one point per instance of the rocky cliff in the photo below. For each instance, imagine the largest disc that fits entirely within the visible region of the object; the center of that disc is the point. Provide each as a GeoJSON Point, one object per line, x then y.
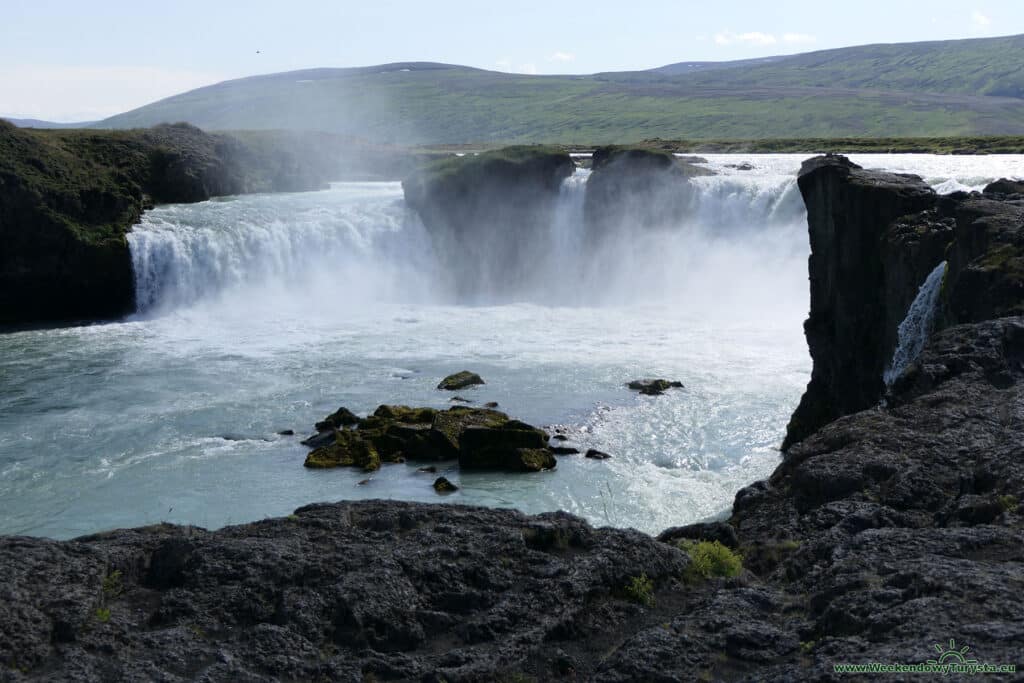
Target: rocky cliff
{"type": "Point", "coordinates": [486, 213]}
{"type": "Point", "coordinates": [639, 188]}
{"type": "Point", "coordinates": [69, 197]}
{"type": "Point", "coordinates": [874, 239]}
{"type": "Point", "coordinates": [882, 538]}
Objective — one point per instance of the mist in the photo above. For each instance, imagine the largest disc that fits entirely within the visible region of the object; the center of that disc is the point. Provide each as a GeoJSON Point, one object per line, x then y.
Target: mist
{"type": "Point", "coordinates": [735, 251]}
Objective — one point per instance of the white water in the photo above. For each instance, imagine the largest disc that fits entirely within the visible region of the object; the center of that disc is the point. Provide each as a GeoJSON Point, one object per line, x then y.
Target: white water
{"type": "Point", "coordinates": [267, 312]}
{"type": "Point", "coordinates": [917, 325]}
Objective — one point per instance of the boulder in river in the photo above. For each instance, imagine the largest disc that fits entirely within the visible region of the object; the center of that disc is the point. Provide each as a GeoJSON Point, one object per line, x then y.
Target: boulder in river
{"type": "Point", "coordinates": [442, 485]}
{"type": "Point", "coordinates": [478, 438]}
{"type": "Point", "coordinates": [1005, 186]}
{"type": "Point", "coordinates": [342, 417]}
{"type": "Point", "coordinates": [460, 380]}
{"type": "Point", "coordinates": [595, 454]}
{"type": "Point", "coordinates": [653, 387]}
{"type": "Point", "coordinates": [349, 449]}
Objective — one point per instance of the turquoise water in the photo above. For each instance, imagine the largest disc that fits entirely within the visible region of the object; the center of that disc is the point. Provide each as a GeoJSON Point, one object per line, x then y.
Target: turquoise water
{"type": "Point", "coordinates": [265, 313]}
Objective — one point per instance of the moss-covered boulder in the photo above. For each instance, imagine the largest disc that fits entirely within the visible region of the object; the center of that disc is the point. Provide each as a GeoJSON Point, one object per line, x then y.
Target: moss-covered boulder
{"type": "Point", "coordinates": [450, 424]}
{"type": "Point", "coordinates": [478, 438]}
{"type": "Point", "coordinates": [460, 380]}
{"type": "Point", "coordinates": [349, 449]}
{"type": "Point", "coordinates": [342, 417]}
{"type": "Point", "coordinates": [442, 485]}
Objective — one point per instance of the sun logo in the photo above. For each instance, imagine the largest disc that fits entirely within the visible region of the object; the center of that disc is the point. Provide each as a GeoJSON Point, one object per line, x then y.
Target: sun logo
{"type": "Point", "coordinates": [950, 653]}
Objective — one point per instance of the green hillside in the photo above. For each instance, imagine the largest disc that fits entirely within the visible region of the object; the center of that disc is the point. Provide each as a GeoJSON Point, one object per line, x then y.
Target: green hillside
{"type": "Point", "coordinates": [951, 88]}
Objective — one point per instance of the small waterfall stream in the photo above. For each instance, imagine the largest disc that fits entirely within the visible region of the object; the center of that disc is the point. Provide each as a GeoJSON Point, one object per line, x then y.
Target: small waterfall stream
{"type": "Point", "coordinates": [917, 325]}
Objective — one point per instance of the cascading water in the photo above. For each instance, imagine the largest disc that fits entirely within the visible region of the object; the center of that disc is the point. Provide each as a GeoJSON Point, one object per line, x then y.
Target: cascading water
{"type": "Point", "coordinates": [917, 325]}
{"type": "Point", "coordinates": [327, 246]}
{"type": "Point", "coordinates": [263, 313]}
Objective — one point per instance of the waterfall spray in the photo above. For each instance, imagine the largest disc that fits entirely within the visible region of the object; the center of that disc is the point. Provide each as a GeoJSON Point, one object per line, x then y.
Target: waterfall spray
{"type": "Point", "coordinates": [359, 242]}
{"type": "Point", "coordinates": [917, 325]}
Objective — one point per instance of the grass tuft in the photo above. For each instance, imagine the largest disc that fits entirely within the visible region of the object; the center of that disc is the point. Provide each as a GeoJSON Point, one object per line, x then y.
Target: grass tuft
{"type": "Point", "coordinates": [710, 559]}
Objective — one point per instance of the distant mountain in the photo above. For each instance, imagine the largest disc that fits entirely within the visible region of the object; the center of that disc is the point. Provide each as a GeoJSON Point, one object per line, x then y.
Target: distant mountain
{"type": "Point", "coordinates": [964, 87]}
{"type": "Point", "coordinates": [37, 123]}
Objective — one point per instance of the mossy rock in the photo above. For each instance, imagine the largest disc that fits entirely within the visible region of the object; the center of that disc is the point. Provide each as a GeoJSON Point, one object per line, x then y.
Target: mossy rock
{"type": "Point", "coordinates": [348, 450]}
{"type": "Point", "coordinates": [479, 438]}
{"type": "Point", "coordinates": [442, 485]}
{"type": "Point", "coordinates": [342, 417]}
{"type": "Point", "coordinates": [405, 414]}
{"type": "Point", "coordinates": [508, 459]}
{"type": "Point", "coordinates": [449, 424]}
{"type": "Point", "coordinates": [460, 380]}
{"type": "Point", "coordinates": [474, 438]}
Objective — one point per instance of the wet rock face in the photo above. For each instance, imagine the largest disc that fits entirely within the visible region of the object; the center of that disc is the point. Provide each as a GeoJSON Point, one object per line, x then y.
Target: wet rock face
{"type": "Point", "coordinates": [848, 212]}
{"type": "Point", "coordinates": [638, 189]}
{"type": "Point", "coordinates": [874, 239]}
{"type": "Point", "coordinates": [505, 198]}
{"type": "Point", "coordinates": [460, 594]}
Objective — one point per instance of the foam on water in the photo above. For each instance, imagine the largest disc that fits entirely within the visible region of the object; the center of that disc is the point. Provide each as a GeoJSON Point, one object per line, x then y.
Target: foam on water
{"type": "Point", "coordinates": [264, 313]}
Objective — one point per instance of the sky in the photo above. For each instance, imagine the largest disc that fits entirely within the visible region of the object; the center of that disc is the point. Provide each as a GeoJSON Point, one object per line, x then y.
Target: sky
{"type": "Point", "coordinates": [69, 60]}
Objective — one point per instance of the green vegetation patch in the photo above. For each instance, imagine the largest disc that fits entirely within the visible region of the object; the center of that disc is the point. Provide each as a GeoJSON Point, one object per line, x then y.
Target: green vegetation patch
{"type": "Point", "coordinates": [640, 590]}
{"type": "Point", "coordinates": [710, 559]}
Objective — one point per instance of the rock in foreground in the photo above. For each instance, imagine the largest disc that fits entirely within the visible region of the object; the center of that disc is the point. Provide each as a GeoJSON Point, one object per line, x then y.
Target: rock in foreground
{"type": "Point", "coordinates": [377, 590]}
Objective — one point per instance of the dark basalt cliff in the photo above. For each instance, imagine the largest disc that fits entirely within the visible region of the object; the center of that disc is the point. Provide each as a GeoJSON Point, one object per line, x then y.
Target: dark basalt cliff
{"type": "Point", "coordinates": [69, 197]}
{"type": "Point", "coordinates": [638, 188]}
{"type": "Point", "coordinates": [848, 332]}
{"type": "Point", "coordinates": [486, 213]}
{"type": "Point", "coordinates": [874, 239]}
{"type": "Point", "coordinates": [884, 533]}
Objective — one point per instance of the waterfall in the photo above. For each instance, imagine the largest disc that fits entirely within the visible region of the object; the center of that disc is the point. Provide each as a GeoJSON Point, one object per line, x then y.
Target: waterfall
{"type": "Point", "coordinates": [358, 241]}
{"type": "Point", "coordinates": [332, 246]}
{"type": "Point", "coordinates": [917, 325]}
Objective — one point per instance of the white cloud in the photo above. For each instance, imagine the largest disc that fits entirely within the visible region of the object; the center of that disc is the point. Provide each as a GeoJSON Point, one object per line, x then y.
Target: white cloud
{"type": "Point", "coordinates": [527, 69]}
{"type": "Point", "coordinates": [84, 93]}
{"type": "Point", "coordinates": [562, 57]}
{"type": "Point", "coordinates": [798, 38]}
{"type": "Point", "coordinates": [504, 64]}
{"type": "Point", "coordinates": [979, 19]}
{"type": "Point", "coordinates": [751, 38]}
{"type": "Point", "coordinates": [762, 39]}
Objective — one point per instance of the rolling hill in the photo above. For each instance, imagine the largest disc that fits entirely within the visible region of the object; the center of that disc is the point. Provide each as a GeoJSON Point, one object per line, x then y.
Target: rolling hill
{"type": "Point", "coordinates": [947, 88]}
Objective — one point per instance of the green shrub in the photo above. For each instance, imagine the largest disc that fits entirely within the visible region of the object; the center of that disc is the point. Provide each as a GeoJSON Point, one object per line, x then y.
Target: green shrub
{"type": "Point", "coordinates": [1008, 503]}
{"type": "Point", "coordinates": [640, 590]}
{"type": "Point", "coordinates": [711, 559]}
{"type": "Point", "coordinates": [103, 614]}
{"type": "Point", "coordinates": [113, 584]}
